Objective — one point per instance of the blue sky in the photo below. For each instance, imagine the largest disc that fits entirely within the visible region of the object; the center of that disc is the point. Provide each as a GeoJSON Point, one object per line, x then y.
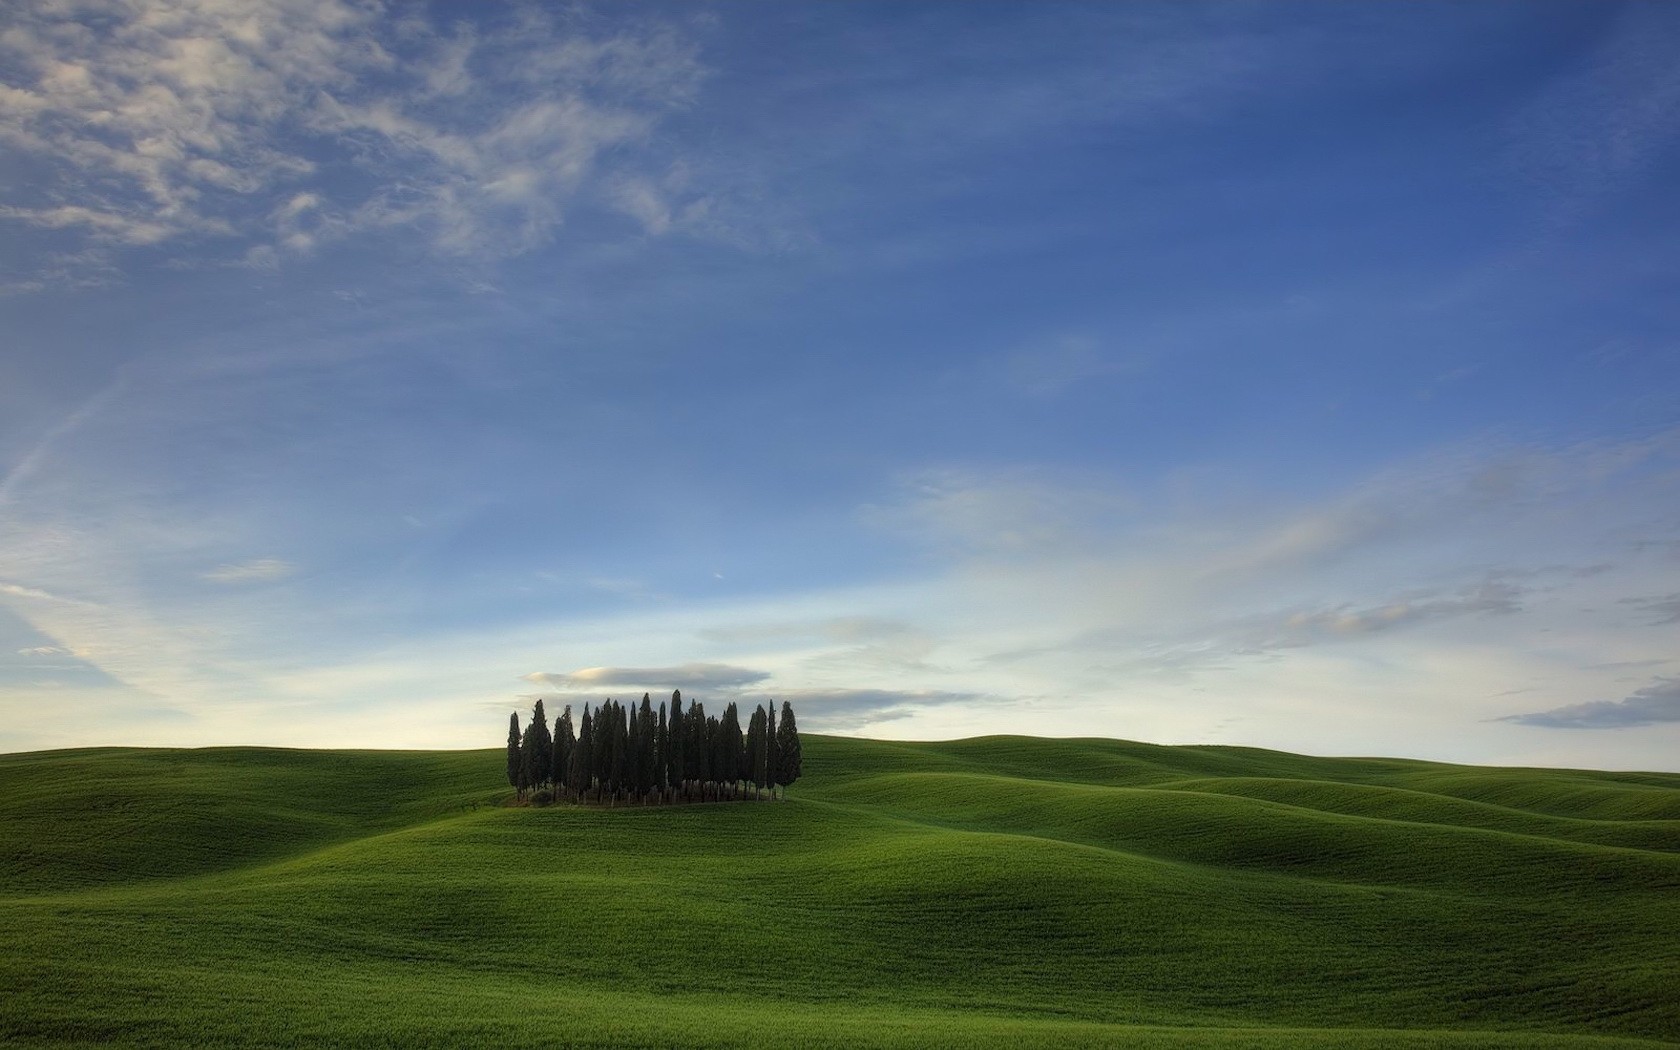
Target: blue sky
{"type": "Point", "coordinates": [1299, 376]}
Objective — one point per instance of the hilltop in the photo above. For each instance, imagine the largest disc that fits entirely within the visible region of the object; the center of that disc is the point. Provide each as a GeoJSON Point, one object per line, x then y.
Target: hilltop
{"type": "Point", "coordinates": [996, 890]}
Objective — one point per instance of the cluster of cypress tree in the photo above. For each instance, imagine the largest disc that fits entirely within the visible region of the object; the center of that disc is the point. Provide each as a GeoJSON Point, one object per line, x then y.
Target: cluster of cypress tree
{"type": "Point", "coordinates": [638, 754]}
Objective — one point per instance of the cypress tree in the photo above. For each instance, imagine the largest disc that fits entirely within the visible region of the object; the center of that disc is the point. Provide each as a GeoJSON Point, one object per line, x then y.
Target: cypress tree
{"type": "Point", "coordinates": [564, 742]}
{"type": "Point", "coordinates": [662, 752]}
{"type": "Point", "coordinates": [603, 748]}
{"type": "Point", "coordinates": [633, 748]}
{"type": "Point", "coordinates": [700, 743]}
{"type": "Point", "coordinates": [583, 756]}
{"type": "Point", "coordinates": [734, 751]}
{"type": "Point", "coordinates": [646, 735]}
{"type": "Point", "coordinates": [714, 754]}
{"type": "Point", "coordinates": [513, 755]}
{"type": "Point", "coordinates": [620, 747]}
{"type": "Point", "coordinates": [542, 752]}
{"type": "Point", "coordinates": [676, 730]}
{"type": "Point", "coordinates": [529, 768]}
{"type": "Point", "coordinates": [770, 746]}
{"type": "Point", "coordinates": [755, 748]}
{"type": "Point", "coordinates": [789, 755]}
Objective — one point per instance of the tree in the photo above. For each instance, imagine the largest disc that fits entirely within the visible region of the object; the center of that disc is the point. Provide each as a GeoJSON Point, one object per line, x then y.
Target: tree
{"type": "Point", "coordinates": [620, 747]}
{"type": "Point", "coordinates": [542, 747]}
{"type": "Point", "coordinates": [734, 751]}
{"type": "Point", "coordinates": [601, 759]}
{"type": "Point", "coordinates": [756, 752]}
{"type": "Point", "coordinates": [715, 767]}
{"type": "Point", "coordinates": [646, 733]}
{"type": "Point", "coordinates": [789, 755]}
{"type": "Point", "coordinates": [676, 731]}
{"type": "Point", "coordinates": [564, 742]}
{"type": "Point", "coordinates": [699, 744]}
{"type": "Point", "coordinates": [582, 769]}
{"type": "Point", "coordinates": [513, 762]}
{"type": "Point", "coordinates": [770, 746]}
{"type": "Point", "coordinates": [529, 771]}
{"type": "Point", "coordinates": [661, 752]}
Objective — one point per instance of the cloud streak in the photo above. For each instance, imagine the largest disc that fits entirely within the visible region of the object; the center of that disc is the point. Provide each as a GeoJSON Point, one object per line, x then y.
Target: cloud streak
{"type": "Point", "coordinates": [827, 710]}
{"type": "Point", "coordinates": [693, 676]}
{"type": "Point", "coordinates": [1492, 596]}
{"type": "Point", "coordinates": [256, 571]}
{"type": "Point", "coordinates": [1666, 609]}
{"type": "Point", "coordinates": [1656, 704]}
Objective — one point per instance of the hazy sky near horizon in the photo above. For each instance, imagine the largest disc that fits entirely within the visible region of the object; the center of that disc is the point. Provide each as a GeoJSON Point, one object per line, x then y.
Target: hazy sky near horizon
{"type": "Point", "coordinates": [1292, 375]}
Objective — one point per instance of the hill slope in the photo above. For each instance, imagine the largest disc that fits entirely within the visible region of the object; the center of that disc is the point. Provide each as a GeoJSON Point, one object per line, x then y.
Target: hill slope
{"type": "Point", "coordinates": [1034, 892]}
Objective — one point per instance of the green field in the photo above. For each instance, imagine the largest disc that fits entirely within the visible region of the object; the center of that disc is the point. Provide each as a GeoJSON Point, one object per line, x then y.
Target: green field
{"type": "Point", "coordinates": [998, 891]}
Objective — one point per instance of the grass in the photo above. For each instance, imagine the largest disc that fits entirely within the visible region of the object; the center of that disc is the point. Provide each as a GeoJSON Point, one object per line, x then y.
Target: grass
{"type": "Point", "coordinates": [998, 891]}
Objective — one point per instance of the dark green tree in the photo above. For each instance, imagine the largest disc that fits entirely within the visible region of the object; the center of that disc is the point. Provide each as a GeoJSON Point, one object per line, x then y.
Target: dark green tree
{"type": "Point", "coordinates": [717, 768]}
{"type": "Point", "coordinates": [789, 755]}
{"type": "Point", "coordinates": [676, 731]}
{"type": "Point", "coordinates": [564, 742]}
{"type": "Point", "coordinates": [603, 748]}
{"type": "Point", "coordinates": [734, 748]}
{"type": "Point", "coordinates": [627, 748]}
{"type": "Point", "coordinates": [513, 755]}
{"type": "Point", "coordinates": [542, 750]}
{"type": "Point", "coordinates": [770, 746]}
{"type": "Point", "coordinates": [756, 753]}
{"type": "Point", "coordinates": [582, 769]}
{"type": "Point", "coordinates": [530, 768]}
{"type": "Point", "coordinates": [699, 744]}
{"type": "Point", "coordinates": [646, 734]}
{"type": "Point", "coordinates": [661, 753]}
{"type": "Point", "coordinates": [620, 748]}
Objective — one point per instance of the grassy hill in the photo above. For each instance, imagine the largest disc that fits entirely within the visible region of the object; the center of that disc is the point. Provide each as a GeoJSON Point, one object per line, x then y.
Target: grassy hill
{"type": "Point", "coordinates": [1002, 890]}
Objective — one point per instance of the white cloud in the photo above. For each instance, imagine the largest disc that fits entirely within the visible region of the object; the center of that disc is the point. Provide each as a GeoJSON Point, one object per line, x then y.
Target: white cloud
{"type": "Point", "coordinates": [172, 119]}
{"type": "Point", "coordinates": [18, 590]}
{"type": "Point", "coordinates": [253, 571]}
{"type": "Point", "coordinates": [1655, 704]}
{"type": "Point", "coordinates": [126, 228]}
{"type": "Point", "coordinates": [690, 676]}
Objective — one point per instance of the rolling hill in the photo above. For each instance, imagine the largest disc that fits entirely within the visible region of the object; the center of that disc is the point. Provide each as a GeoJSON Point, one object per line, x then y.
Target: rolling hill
{"type": "Point", "coordinates": [1001, 890]}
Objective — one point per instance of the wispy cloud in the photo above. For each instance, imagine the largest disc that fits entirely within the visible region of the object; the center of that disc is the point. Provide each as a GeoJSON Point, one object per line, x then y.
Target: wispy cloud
{"type": "Point", "coordinates": [842, 629]}
{"type": "Point", "coordinates": [1490, 596]}
{"type": "Point", "coordinates": [281, 125]}
{"type": "Point", "coordinates": [1601, 122]}
{"type": "Point", "coordinates": [693, 676]}
{"type": "Point", "coordinates": [1666, 608]}
{"type": "Point", "coordinates": [254, 571]}
{"type": "Point", "coordinates": [1009, 513]}
{"type": "Point", "coordinates": [830, 710]}
{"type": "Point", "coordinates": [18, 590]}
{"type": "Point", "coordinates": [1657, 703]}
{"type": "Point", "coordinates": [1049, 368]}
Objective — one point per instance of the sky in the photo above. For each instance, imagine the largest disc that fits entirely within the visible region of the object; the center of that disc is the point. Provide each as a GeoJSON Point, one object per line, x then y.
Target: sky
{"type": "Point", "coordinates": [1301, 376]}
